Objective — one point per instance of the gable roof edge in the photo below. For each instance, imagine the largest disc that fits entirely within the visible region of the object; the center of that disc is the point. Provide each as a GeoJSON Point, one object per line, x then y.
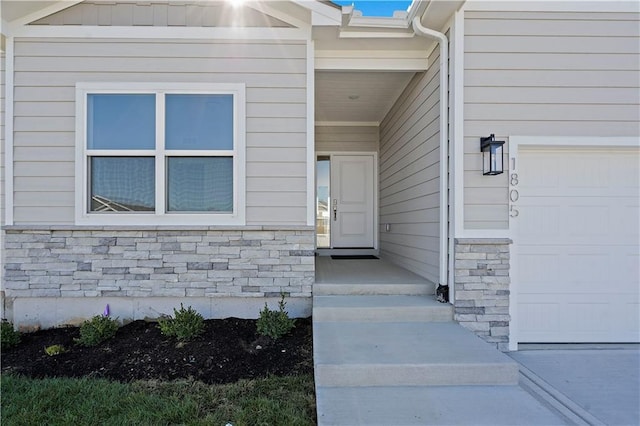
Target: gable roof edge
{"type": "Point", "coordinates": [38, 14]}
{"type": "Point", "coordinates": [321, 14]}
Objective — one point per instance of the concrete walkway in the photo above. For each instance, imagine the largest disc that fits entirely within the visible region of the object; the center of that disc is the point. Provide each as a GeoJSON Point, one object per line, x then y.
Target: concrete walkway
{"type": "Point", "coordinates": [386, 353]}
{"type": "Point", "coordinates": [599, 384]}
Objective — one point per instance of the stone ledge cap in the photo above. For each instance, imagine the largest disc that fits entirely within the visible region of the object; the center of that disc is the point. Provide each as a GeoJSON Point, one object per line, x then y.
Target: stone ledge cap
{"type": "Point", "coordinates": [18, 228]}
{"type": "Point", "coordinates": [484, 241]}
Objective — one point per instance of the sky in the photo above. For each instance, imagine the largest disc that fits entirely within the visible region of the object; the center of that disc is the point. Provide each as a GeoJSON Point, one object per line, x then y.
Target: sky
{"type": "Point", "coordinates": [376, 7]}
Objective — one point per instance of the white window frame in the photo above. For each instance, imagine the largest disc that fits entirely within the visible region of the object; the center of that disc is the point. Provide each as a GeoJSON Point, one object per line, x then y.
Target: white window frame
{"type": "Point", "coordinates": [161, 216]}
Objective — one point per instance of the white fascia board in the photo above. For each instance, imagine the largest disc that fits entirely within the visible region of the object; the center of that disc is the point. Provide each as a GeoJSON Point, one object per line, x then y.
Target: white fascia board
{"type": "Point", "coordinates": [164, 32]}
{"type": "Point", "coordinates": [378, 22]}
{"type": "Point", "coordinates": [320, 20]}
{"type": "Point", "coordinates": [42, 13]}
{"type": "Point", "coordinates": [277, 14]}
{"type": "Point", "coordinates": [374, 34]}
{"type": "Point", "coordinates": [553, 6]}
{"type": "Point", "coordinates": [321, 14]}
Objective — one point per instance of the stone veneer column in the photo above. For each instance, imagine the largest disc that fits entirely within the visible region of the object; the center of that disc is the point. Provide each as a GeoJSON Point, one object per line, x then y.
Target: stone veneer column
{"type": "Point", "coordinates": [482, 288]}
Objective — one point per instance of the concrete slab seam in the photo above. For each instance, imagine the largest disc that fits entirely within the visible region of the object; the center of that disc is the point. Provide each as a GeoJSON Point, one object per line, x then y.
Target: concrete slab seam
{"type": "Point", "coordinates": [540, 389]}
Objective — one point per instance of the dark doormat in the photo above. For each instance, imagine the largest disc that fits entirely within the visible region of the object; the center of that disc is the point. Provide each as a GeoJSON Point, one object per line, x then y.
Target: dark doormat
{"type": "Point", "coordinates": [353, 256]}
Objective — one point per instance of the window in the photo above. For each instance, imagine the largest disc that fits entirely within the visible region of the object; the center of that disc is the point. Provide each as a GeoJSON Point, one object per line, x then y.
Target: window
{"type": "Point", "coordinates": [171, 154]}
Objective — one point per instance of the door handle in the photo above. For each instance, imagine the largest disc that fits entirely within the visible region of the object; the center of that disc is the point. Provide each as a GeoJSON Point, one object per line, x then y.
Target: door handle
{"type": "Point", "coordinates": [335, 210]}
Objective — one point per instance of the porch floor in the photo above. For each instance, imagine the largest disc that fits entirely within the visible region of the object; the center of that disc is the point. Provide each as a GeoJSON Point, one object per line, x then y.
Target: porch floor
{"type": "Point", "coordinates": [358, 271]}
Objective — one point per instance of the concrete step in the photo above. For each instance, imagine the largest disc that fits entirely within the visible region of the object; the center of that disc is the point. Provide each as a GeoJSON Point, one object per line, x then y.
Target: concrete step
{"type": "Point", "coordinates": [422, 405]}
{"type": "Point", "coordinates": [372, 289]}
{"type": "Point", "coordinates": [380, 308]}
{"type": "Point", "coordinates": [353, 354]}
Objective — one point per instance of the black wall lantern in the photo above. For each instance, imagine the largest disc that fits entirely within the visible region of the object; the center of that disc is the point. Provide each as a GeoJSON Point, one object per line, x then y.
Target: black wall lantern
{"type": "Point", "coordinates": [492, 158]}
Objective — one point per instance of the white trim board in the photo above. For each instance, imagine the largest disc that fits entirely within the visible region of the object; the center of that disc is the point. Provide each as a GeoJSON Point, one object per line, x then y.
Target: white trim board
{"type": "Point", "coordinates": [456, 140]}
{"type": "Point", "coordinates": [160, 216]}
{"type": "Point", "coordinates": [8, 131]}
{"type": "Point", "coordinates": [376, 194]}
{"type": "Point", "coordinates": [347, 123]}
{"type": "Point", "coordinates": [311, 134]}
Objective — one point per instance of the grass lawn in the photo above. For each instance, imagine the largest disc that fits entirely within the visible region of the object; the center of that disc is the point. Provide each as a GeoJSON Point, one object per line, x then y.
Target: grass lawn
{"type": "Point", "coordinates": [271, 401]}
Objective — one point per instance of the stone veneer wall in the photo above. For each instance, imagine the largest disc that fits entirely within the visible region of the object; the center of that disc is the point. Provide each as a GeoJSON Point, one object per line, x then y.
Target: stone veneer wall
{"type": "Point", "coordinates": [210, 262]}
{"type": "Point", "coordinates": [482, 288]}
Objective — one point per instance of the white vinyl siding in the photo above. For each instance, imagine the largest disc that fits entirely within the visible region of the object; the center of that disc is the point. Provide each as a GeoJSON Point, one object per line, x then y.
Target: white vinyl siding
{"type": "Point", "coordinates": [347, 138]}
{"type": "Point", "coordinates": [409, 176]}
{"type": "Point", "coordinates": [543, 74]}
{"type": "Point", "coordinates": [161, 14]}
{"type": "Point", "coordinates": [48, 69]}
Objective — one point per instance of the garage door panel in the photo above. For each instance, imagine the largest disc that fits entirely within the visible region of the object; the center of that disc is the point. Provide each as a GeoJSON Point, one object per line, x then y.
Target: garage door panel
{"type": "Point", "coordinates": [578, 239]}
{"type": "Point", "coordinates": [626, 174]}
{"type": "Point", "coordinates": [536, 269]}
{"type": "Point", "coordinates": [544, 273]}
{"type": "Point", "coordinates": [538, 223]}
{"type": "Point", "coordinates": [584, 319]}
{"type": "Point", "coordinates": [537, 318]}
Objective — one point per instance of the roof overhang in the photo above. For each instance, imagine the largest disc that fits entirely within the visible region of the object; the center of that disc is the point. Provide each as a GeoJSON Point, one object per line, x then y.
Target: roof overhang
{"type": "Point", "coordinates": [16, 13]}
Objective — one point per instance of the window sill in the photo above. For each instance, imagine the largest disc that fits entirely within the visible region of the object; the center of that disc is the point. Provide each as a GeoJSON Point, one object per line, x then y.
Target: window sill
{"type": "Point", "coordinates": [160, 220]}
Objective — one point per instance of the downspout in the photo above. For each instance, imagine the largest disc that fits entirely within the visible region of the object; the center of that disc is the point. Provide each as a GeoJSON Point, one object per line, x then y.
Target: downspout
{"type": "Point", "coordinates": [442, 40]}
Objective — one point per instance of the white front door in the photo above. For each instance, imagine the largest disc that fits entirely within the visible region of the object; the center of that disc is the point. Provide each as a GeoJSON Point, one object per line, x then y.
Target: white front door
{"type": "Point", "coordinates": [351, 207]}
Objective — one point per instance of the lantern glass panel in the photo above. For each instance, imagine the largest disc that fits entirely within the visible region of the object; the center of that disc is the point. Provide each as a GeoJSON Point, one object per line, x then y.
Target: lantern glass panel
{"type": "Point", "coordinates": [492, 157]}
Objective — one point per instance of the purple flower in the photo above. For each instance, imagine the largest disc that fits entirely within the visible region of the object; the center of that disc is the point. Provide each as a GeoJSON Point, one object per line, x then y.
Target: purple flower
{"type": "Point", "coordinates": [106, 311]}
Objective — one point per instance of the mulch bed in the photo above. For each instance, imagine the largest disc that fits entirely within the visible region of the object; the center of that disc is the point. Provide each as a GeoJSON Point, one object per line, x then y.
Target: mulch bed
{"type": "Point", "coordinates": [229, 350]}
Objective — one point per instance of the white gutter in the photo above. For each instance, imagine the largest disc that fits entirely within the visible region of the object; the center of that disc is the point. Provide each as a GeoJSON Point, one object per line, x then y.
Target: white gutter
{"type": "Point", "coordinates": [442, 40]}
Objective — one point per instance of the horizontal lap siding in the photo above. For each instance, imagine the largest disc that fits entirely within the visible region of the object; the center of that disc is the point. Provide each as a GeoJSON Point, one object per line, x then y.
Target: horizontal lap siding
{"type": "Point", "coordinates": [546, 74]}
{"type": "Point", "coordinates": [347, 138]}
{"type": "Point", "coordinates": [46, 74]}
{"type": "Point", "coordinates": [409, 176]}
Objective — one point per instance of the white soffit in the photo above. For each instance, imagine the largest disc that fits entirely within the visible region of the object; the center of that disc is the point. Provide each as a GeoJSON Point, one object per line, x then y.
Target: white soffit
{"type": "Point", "coordinates": [357, 96]}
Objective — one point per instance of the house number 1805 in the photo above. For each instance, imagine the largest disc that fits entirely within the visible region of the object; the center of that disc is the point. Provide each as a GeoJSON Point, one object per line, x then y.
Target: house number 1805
{"type": "Point", "coordinates": [513, 195]}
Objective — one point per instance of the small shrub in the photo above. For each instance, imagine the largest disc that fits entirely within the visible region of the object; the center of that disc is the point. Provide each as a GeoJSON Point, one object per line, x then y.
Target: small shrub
{"type": "Point", "coordinates": [54, 350]}
{"type": "Point", "coordinates": [275, 324]}
{"type": "Point", "coordinates": [185, 325]}
{"type": "Point", "coordinates": [96, 330]}
{"type": "Point", "coordinates": [8, 336]}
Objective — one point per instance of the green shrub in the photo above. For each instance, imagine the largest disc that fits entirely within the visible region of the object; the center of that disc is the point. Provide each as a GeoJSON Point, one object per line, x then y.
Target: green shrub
{"type": "Point", "coordinates": [185, 325]}
{"type": "Point", "coordinates": [8, 336]}
{"type": "Point", "coordinates": [275, 324]}
{"type": "Point", "coordinates": [54, 350]}
{"type": "Point", "coordinates": [96, 330]}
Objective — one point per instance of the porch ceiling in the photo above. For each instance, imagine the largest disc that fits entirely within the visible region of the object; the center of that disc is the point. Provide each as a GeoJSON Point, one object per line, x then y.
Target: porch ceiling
{"type": "Point", "coordinates": [357, 96]}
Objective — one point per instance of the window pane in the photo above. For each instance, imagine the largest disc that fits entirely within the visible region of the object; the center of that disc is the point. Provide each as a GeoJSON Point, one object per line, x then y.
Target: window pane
{"type": "Point", "coordinates": [323, 201]}
{"type": "Point", "coordinates": [122, 184]}
{"type": "Point", "coordinates": [200, 184]}
{"type": "Point", "coordinates": [199, 122]}
{"type": "Point", "coordinates": [121, 121]}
